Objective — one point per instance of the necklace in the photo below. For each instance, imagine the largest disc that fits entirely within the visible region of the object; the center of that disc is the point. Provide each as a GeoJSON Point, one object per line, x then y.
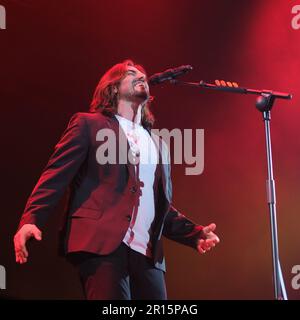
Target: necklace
{"type": "Point", "coordinates": [133, 139]}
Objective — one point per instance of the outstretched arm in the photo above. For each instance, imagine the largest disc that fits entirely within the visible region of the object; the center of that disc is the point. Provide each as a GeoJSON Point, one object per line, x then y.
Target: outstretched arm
{"type": "Point", "coordinates": [179, 228]}
{"type": "Point", "coordinates": [62, 166]}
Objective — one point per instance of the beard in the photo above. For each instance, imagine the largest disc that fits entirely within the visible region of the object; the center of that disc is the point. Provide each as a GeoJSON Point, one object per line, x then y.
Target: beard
{"type": "Point", "coordinates": [142, 94]}
{"type": "Point", "coordinates": [139, 94]}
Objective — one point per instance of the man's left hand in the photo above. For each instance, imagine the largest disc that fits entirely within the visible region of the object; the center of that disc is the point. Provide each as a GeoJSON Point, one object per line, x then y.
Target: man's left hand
{"type": "Point", "coordinates": [209, 239]}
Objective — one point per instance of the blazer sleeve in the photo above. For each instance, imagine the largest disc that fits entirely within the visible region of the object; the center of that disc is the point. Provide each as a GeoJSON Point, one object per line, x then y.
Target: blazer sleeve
{"type": "Point", "coordinates": [179, 228]}
{"type": "Point", "coordinates": [69, 153]}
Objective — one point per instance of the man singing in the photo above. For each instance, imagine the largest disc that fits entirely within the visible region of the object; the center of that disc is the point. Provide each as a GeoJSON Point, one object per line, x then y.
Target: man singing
{"type": "Point", "coordinates": [118, 210]}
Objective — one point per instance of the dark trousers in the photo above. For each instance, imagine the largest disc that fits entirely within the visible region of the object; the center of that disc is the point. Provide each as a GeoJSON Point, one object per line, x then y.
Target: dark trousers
{"type": "Point", "coordinates": [122, 275]}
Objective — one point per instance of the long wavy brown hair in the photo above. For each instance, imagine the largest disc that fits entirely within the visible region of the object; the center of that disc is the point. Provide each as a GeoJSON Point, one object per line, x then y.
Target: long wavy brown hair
{"type": "Point", "coordinates": [106, 99]}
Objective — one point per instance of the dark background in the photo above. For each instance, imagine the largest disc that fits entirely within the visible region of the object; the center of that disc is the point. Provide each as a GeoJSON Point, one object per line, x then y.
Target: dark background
{"type": "Point", "coordinates": [52, 56]}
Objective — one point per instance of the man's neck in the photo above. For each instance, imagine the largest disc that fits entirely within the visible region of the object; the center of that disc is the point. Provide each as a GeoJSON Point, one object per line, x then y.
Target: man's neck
{"type": "Point", "coordinates": [130, 111]}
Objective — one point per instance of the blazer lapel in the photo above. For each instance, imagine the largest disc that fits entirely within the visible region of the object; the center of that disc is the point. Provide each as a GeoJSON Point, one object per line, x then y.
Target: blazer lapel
{"type": "Point", "coordinates": [122, 145]}
{"type": "Point", "coordinates": [163, 165]}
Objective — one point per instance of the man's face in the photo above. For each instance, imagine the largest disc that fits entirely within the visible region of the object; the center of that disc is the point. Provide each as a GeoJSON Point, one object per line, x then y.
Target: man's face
{"type": "Point", "coordinates": [134, 86]}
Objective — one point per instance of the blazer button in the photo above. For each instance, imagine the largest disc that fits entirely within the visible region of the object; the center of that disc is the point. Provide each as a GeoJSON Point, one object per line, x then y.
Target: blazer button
{"type": "Point", "coordinates": [128, 217]}
{"type": "Point", "coordinates": [133, 189]}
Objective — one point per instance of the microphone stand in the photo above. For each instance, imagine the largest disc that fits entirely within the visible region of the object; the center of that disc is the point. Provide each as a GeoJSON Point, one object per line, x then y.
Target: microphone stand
{"type": "Point", "coordinates": [264, 103]}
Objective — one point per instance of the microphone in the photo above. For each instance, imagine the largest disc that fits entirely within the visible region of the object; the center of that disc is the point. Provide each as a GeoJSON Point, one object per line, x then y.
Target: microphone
{"type": "Point", "coordinates": [169, 74]}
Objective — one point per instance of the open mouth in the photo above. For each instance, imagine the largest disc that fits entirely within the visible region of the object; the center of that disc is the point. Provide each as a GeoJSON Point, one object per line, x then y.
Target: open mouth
{"type": "Point", "coordinates": [139, 83]}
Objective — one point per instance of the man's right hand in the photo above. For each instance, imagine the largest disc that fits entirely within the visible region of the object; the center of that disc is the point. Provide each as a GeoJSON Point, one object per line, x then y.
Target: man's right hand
{"type": "Point", "coordinates": [26, 232]}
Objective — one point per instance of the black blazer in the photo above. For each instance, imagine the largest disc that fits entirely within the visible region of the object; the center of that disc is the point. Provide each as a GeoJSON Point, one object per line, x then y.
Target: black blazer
{"type": "Point", "coordinates": [102, 197]}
